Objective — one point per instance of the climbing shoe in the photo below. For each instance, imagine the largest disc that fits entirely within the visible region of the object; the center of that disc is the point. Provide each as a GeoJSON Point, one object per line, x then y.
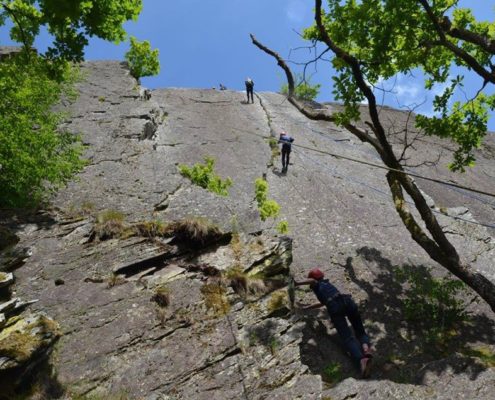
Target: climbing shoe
{"type": "Point", "coordinates": [365, 366]}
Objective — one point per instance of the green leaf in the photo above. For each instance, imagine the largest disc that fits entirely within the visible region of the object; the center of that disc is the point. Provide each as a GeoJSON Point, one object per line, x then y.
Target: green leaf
{"type": "Point", "coordinates": [141, 59]}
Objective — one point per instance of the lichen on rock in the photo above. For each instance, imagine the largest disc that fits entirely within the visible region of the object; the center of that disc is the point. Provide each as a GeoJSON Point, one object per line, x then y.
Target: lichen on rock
{"type": "Point", "coordinates": [25, 338]}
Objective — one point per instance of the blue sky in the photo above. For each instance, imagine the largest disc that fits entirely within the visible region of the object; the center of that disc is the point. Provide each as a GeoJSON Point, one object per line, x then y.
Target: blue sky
{"type": "Point", "coordinates": [206, 42]}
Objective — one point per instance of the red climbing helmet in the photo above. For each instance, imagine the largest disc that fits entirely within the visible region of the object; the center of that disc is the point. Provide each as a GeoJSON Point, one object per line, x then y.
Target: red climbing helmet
{"type": "Point", "coordinates": [316, 274]}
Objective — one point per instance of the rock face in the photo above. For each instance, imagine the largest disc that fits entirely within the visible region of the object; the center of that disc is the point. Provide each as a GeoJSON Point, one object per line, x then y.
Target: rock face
{"type": "Point", "coordinates": [146, 315]}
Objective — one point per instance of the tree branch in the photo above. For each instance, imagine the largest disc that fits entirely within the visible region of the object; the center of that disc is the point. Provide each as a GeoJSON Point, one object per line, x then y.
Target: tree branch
{"type": "Point", "coordinates": [463, 55]}
{"type": "Point", "coordinates": [368, 93]}
{"type": "Point", "coordinates": [17, 22]}
{"type": "Point", "coordinates": [437, 246]}
{"type": "Point", "coordinates": [484, 42]}
{"type": "Point", "coordinates": [309, 112]}
{"type": "Point", "coordinates": [281, 63]}
{"type": "Point", "coordinates": [433, 250]}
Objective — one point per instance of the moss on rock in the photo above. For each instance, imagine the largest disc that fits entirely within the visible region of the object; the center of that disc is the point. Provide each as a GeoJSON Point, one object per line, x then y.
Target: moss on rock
{"type": "Point", "coordinates": [24, 338]}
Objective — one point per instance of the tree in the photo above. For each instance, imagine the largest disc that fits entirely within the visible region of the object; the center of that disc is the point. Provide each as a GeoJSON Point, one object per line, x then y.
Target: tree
{"type": "Point", "coordinates": [141, 59]}
{"type": "Point", "coordinates": [376, 39]}
{"type": "Point", "coordinates": [35, 156]}
{"type": "Point", "coordinates": [70, 22]}
{"type": "Point", "coordinates": [303, 90]}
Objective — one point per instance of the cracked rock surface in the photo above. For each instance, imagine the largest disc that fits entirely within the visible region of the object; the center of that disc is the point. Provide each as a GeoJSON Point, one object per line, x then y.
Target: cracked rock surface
{"type": "Point", "coordinates": [208, 337]}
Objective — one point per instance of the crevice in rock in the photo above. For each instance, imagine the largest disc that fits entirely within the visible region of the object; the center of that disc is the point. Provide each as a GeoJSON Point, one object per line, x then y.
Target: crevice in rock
{"type": "Point", "coordinates": [270, 163]}
{"type": "Point", "coordinates": [157, 261]}
{"type": "Point", "coordinates": [103, 161]}
{"type": "Point", "coordinates": [223, 102]}
{"type": "Point", "coordinates": [98, 381]}
{"type": "Point", "coordinates": [147, 117]}
{"type": "Point", "coordinates": [168, 144]}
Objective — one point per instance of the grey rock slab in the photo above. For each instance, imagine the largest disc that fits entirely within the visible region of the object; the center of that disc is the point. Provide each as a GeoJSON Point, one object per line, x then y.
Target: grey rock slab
{"type": "Point", "coordinates": [9, 305]}
{"type": "Point", "coordinates": [340, 215]}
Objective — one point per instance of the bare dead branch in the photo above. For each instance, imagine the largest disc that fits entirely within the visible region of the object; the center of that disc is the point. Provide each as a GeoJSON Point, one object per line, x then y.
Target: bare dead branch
{"type": "Point", "coordinates": [310, 112]}
{"type": "Point", "coordinates": [281, 63]}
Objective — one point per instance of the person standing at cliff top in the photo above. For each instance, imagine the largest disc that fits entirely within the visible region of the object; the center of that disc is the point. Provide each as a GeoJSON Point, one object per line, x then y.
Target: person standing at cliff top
{"type": "Point", "coordinates": [339, 307]}
{"type": "Point", "coordinates": [249, 88]}
{"type": "Point", "coordinates": [286, 142]}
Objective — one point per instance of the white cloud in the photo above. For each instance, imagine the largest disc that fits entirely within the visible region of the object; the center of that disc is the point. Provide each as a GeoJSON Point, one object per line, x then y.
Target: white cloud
{"type": "Point", "coordinates": [401, 91]}
{"type": "Point", "coordinates": [439, 88]}
{"type": "Point", "coordinates": [296, 10]}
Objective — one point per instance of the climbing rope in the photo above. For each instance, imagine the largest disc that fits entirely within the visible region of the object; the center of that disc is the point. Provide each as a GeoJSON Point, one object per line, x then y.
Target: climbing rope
{"type": "Point", "coordinates": [488, 225]}
{"type": "Point", "coordinates": [378, 165]}
{"type": "Point", "coordinates": [381, 192]}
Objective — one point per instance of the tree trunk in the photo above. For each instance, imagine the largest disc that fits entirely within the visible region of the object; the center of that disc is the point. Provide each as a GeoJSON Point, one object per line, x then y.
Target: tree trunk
{"type": "Point", "coordinates": [437, 246]}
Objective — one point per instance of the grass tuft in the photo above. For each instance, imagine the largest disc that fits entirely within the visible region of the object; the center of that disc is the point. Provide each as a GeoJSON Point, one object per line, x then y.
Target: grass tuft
{"type": "Point", "coordinates": [215, 297]}
{"type": "Point", "coordinates": [332, 373]}
{"type": "Point", "coordinates": [162, 296]}
{"type": "Point", "coordinates": [109, 224]}
{"type": "Point", "coordinates": [195, 231]}
{"type": "Point", "coordinates": [150, 229]}
{"type": "Point", "coordinates": [277, 301]}
{"type": "Point", "coordinates": [115, 280]}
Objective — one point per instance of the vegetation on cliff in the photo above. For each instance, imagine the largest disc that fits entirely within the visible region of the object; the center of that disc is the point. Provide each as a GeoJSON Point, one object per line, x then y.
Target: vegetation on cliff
{"type": "Point", "coordinates": [374, 40]}
{"type": "Point", "coordinates": [35, 156]}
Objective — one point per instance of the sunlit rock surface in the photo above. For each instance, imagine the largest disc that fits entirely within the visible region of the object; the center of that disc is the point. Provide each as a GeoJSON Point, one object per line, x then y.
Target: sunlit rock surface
{"type": "Point", "coordinates": [231, 335]}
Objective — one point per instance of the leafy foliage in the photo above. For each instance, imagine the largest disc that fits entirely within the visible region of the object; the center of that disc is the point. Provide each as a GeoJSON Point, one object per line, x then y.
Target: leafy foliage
{"type": "Point", "coordinates": [203, 175]}
{"type": "Point", "coordinates": [35, 157]}
{"type": "Point", "coordinates": [69, 22]}
{"type": "Point", "coordinates": [142, 60]}
{"type": "Point", "coordinates": [303, 89]}
{"type": "Point", "coordinates": [267, 208]}
{"type": "Point", "coordinates": [215, 297]}
{"type": "Point", "coordinates": [332, 373]}
{"type": "Point", "coordinates": [435, 305]}
{"type": "Point", "coordinates": [389, 37]}
{"type": "Point", "coordinates": [283, 227]}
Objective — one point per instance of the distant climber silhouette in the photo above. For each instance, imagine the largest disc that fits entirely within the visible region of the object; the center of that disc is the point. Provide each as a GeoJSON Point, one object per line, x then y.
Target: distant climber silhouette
{"type": "Point", "coordinates": [286, 142]}
{"type": "Point", "coordinates": [249, 89]}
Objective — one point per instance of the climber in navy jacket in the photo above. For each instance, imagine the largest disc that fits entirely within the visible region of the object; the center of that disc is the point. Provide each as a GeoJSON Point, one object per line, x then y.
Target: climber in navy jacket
{"type": "Point", "coordinates": [286, 142]}
{"type": "Point", "coordinates": [340, 306]}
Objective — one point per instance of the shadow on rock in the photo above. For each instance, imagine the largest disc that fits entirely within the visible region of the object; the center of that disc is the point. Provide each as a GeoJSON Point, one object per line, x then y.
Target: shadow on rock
{"type": "Point", "coordinates": [405, 352]}
{"type": "Point", "coordinates": [263, 333]}
{"type": "Point", "coordinates": [40, 382]}
{"type": "Point", "coordinates": [322, 350]}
